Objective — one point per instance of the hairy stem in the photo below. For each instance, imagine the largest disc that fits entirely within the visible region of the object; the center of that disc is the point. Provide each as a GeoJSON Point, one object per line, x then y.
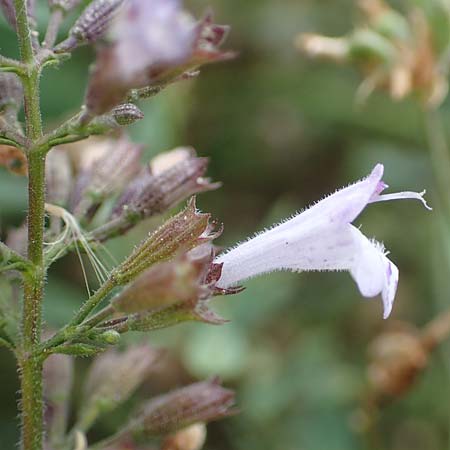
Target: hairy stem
{"type": "Point", "coordinates": [30, 365]}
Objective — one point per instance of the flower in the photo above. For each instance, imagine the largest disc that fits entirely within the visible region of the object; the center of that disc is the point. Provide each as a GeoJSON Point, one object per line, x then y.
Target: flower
{"type": "Point", "coordinates": [323, 238]}
{"type": "Point", "coordinates": [152, 43]}
{"type": "Point", "coordinates": [153, 33]}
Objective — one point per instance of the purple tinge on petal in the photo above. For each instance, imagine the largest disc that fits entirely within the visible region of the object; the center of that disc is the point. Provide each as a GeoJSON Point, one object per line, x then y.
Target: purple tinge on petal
{"type": "Point", "coordinates": [381, 186]}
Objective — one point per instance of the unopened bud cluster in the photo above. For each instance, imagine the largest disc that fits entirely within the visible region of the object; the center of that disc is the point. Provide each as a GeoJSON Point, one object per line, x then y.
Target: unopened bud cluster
{"type": "Point", "coordinates": [395, 52]}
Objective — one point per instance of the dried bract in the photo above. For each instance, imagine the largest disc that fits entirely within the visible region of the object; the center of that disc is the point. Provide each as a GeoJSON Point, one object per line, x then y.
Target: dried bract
{"type": "Point", "coordinates": [170, 178]}
{"type": "Point", "coordinates": [200, 402]}
{"type": "Point", "coordinates": [106, 176]}
{"type": "Point", "coordinates": [188, 229]}
{"type": "Point", "coordinates": [113, 377]}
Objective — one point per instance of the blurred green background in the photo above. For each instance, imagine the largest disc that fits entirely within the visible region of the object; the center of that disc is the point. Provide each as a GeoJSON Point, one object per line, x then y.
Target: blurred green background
{"type": "Point", "coordinates": [281, 132]}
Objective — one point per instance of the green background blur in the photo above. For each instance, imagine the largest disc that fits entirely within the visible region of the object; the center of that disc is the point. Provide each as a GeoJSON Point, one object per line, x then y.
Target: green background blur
{"type": "Point", "coordinates": [281, 132]}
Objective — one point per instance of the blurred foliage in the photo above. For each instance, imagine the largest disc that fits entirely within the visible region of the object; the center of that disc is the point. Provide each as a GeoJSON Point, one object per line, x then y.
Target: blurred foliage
{"type": "Point", "coordinates": [281, 132]}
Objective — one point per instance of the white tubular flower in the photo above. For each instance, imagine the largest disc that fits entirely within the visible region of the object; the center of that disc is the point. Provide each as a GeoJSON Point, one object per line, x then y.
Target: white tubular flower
{"type": "Point", "coordinates": [323, 238]}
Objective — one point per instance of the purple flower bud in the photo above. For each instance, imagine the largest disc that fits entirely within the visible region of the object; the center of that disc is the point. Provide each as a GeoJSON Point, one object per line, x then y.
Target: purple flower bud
{"type": "Point", "coordinates": [113, 377]}
{"type": "Point", "coordinates": [105, 177]}
{"type": "Point", "coordinates": [205, 401]}
{"type": "Point", "coordinates": [171, 177]}
{"type": "Point", "coordinates": [126, 114]}
{"type": "Point", "coordinates": [91, 25]}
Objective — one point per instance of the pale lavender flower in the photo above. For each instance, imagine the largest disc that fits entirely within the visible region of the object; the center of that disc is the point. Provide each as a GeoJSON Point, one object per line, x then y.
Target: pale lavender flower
{"type": "Point", "coordinates": [152, 33]}
{"type": "Point", "coordinates": [323, 238]}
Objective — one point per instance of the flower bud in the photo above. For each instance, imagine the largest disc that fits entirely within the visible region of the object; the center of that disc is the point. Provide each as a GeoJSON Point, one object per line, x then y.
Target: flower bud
{"type": "Point", "coordinates": [91, 25]}
{"type": "Point", "coordinates": [58, 171]}
{"type": "Point", "coordinates": [200, 402]}
{"type": "Point", "coordinates": [113, 377]}
{"type": "Point", "coordinates": [109, 337]}
{"type": "Point", "coordinates": [188, 229]}
{"type": "Point", "coordinates": [11, 92]}
{"type": "Point", "coordinates": [190, 438]}
{"type": "Point", "coordinates": [105, 177]}
{"type": "Point", "coordinates": [58, 378]}
{"type": "Point", "coordinates": [127, 114]}
{"type": "Point", "coordinates": [172, 177]}
{"type": "Point", "coordinates": [367, 45]}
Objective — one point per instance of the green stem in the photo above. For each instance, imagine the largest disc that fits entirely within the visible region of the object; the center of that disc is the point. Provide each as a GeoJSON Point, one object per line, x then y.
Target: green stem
{"type": "Point", "coordinates": [76, 328]}
{"type": "Point", "coordinates": [11, 65]}
{"type": "Point", "coordinates": [30, 366]}
{"type": "Point", "coordinates": [24, 31]}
